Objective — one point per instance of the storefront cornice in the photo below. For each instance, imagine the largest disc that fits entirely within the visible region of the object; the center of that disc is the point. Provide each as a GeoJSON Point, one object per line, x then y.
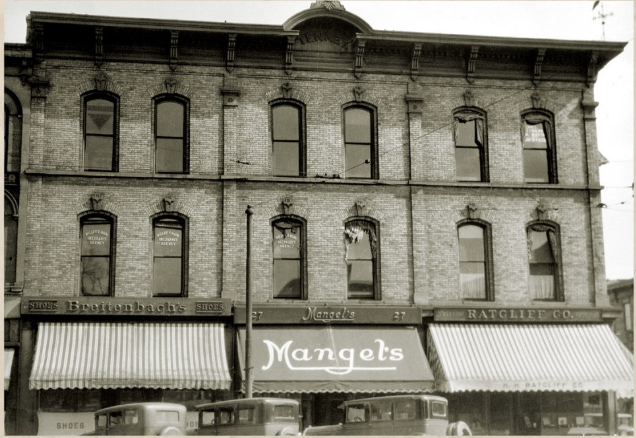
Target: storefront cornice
{"type": "Point", "coordinates": [484, 313]}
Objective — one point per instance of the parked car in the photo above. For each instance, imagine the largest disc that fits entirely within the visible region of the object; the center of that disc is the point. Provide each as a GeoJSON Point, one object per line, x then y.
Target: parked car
{"type": "Point", "coordinates": [394, 416]}
{"type": "Point", "coordinates": [249, 416]}
{"type": "Point", "coordinates": [141, 419]}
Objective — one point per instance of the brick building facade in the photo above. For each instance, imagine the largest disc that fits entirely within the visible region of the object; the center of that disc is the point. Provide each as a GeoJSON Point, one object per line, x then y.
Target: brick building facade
{"type": "Point", "coordinates": [351, 146]}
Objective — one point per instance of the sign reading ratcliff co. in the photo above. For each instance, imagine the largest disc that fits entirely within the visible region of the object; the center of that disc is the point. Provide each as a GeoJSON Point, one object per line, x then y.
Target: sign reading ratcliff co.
{"type": "Point", "coordinates": [330, 315]}
{"type": "Point", "coordinates": [107, 306]}
{"type": "Point", "coordinates": [517, 315]}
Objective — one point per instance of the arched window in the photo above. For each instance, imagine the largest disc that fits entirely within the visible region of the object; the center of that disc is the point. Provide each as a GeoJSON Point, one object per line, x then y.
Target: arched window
{"type": "Point", "coordinates": [97, 255]}
{"type": "Point", "coordinates": [475, 270]}
{"type": "Point", "coordinates": [12, 134]}
{"type": "Point", "coordinates": [10, 240]}
{"type": "Point", "coordinates": [544, 262]}
{"type": "Point", "coordinates": [539, 149]}
{"type": "Point", "coordinates": [169, 256]}
{"type": "Point", "coordinates": [471, 162]}
{"type": "Point", "coordinates": [171, 135]}
{"type": "Point", "coordinates": [361, 160]}
{"type": "Point", "coordinates": [289, 258]}
{"type": "Point", "coordinates": [101, 132]}
{"type": "Point", "coordinates": [288, 152]}
{"type": "Point", "coordinates": [362, 244]}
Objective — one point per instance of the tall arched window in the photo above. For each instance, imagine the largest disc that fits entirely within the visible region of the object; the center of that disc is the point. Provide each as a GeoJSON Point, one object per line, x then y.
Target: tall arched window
{"type": "Point", "coordinates": [169, 256]}
{"type": "Point", "coordinates": [360, 149]}
{"type": "Point", "coordinates": [475, 270]}
{"type": "Point", "coordinates": [171, 135]}
{"type": "Point", "coordinates": [471, 162]}
{"type": "Point", "coordinates": [362, 244]}
{"type": "Point", "coordinates": [544, 262]}
{"type": "Point", "coordinates": [101, 132]}
{"type": "Point", "coordinates": [288, 154]}
{"type": "Point", "coordinates": [12, 135]}
{"type": "Point", "coordinates": [97, 255]}
{"type": "Point", "coordinates": [289, 258]}
{"type": "Point", "coordinates": [10, 239]}
{"type": "Point", "coordinates": [539, 148]}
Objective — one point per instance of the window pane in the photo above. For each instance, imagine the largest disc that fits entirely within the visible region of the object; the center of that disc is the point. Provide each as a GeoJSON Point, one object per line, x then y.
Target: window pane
{"type": "Point", "coordinates": [357, 125]}
{"type": "Point", "coordinates": [167, 276]}
{"type": "Point", "coordinates": [540, 250]}
{"type": "Point", "coordinates": [95, 239]}
{"type": "Point", "coordinates": [535, 137]}
{"type": "Point", "coordinates": [381, 411]}
{"type": "Point", "coordinates": [355, 157]}
{"type": "Point", "coordinates": [170, 119]}
{"type": "Point", "coordinates": [535, 165]}
{"type": "Point", "coordinates": [285, 159]}
{"type": "Point", "coordinates": [405, 410]}
{"type": "Point", "coordinates": [10, 243]}
{"type": "Point", "coordinates": [100, 117]}
{"type": "Point", "coordinates": [471, 243]}
{"type": "Point", "coordinates": [287, 240]}
{"type": "Point", "coordinates": [168, 241]}
{"type": "Point", "coordinates": [360, 277]}
{"type": "Point", "coordinates": [465, 133]}
{"type": "Point", "coordinates": [98, 154]}
{"type": "Point", "coordinates": [95, 275]}
{"type": "Point", "coordinates": [285, 122]}
{"type": "Point", "coordinates": [361, 248]}
{"type": "Point", "coordinates": [473, 279]}
{"type": "Point", "coordinates": [245, 415]}
{"type": "Point", "coordinates": [468, 165]}
{"type": "Point", "coordinates": [169, 155]}
{"type": "Point", "coordinates": [542, 281]}
{"type": "Point", "coordinates": [287, 278]}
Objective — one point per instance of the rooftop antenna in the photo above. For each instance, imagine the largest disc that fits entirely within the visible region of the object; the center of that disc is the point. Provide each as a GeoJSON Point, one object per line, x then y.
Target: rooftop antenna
{"type": "Point", "coordinates": [601, 15]}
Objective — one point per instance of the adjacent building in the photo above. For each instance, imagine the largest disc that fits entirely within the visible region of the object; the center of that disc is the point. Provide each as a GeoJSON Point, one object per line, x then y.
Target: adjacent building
{"type": "Point", "coordinates": [423, 208]}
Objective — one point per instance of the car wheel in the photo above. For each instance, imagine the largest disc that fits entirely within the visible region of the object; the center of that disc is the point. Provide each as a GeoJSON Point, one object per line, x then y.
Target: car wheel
{"type": "Point", "coordinates": [458, 429]}
{"type": "Point", "coordinates": [288, 431]}
{"type": "Point", "coordinates": [170, 430]}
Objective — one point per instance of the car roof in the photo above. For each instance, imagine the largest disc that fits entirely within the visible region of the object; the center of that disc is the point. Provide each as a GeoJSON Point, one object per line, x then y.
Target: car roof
{"type": "Point", "coordinates": [148, 405]}
{"type": "Point", "coordinates": [397, 397]}
{"type": "Point", "coordinates": [248, 401]}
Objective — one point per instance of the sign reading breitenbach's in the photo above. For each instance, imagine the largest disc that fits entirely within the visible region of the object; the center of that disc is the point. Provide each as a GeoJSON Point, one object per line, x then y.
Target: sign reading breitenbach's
{"type": "Point", "coordinates": [108, 306]}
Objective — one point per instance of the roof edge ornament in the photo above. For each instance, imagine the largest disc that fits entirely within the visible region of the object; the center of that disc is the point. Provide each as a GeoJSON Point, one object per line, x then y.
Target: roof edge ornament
{"type": "Point", "coordinates": [327, 4]}
{"type": "Point", "coordinates": [327, 8]}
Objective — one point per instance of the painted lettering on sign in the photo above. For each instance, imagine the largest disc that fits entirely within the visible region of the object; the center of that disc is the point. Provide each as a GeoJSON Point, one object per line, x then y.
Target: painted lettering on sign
{"type": "Point", "coordinates": [97, 237]}
{"type": "Point", "coordinates": [313, 314]}
{"type": "Point", "coordinates": [521, 314]}
{"type": "Point", "coordinates": [548, 386]}
{"type": "Point", "coordinates": [42, 306]}
{"type": "Point", "coordinates": [346, 359]}
{"type": "Point", "coordinates": [134, 307]}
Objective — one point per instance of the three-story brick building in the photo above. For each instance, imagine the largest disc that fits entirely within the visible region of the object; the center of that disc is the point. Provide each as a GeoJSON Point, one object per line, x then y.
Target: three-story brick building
{"type": "Point", "coordinates": [425, 219]}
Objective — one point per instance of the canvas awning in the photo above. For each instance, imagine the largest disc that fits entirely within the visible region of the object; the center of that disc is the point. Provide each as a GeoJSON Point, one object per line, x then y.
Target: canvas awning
{"type": "Point", "coordinates": [130, 355]}
{"type": "Point", "coordinates": [526, 357]}
{"type": "Point", "coordinates": [337, 359]}
{"type": "Point", "coordinates": [8, 361]}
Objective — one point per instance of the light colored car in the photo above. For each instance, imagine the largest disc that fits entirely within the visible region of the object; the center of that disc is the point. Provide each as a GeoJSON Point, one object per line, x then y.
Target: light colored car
{"type": "Point", "coordinates": [394, 416]}
{"type": "Point", "coordinates": [141, 419]}
{"type": "Point", "coordinates": [249, 416]}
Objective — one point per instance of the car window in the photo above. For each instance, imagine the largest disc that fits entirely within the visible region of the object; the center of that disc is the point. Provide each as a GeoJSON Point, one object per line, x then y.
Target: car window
{"type": "Point", "coordinates": [283, 412]}
{"type": "Point", "coordinates": [207, 418]}
{"type": "Point", "coordinates": [131, 416]}
{"type": "Point", "coordinates": [381, 411]}
{"type": "Point", "coordinates": [246, 415]}
{"type": "Point", "coordinates": [163, 416]}
{"type": "Point", "coordinates": [102, 420]}
{"type": "Point", "coordinates": [226, 415]}
{"type": "Point", "coordinates": [356, 413]}
{"type": "Point", "coordinates": [438, 409]}
{"type": "Point", "coordinates": [405, 410]}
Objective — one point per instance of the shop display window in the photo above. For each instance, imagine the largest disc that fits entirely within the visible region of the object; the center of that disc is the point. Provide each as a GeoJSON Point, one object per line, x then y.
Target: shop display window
{"type": "Point", "coordinates": [562, 411]}
{"type": "Point", "coordinates": [70, 400]}
{"type": "Point", "coordinates": [500, 407]}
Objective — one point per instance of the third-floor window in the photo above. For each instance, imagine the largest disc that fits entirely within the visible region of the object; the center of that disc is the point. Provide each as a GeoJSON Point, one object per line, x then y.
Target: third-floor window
{"type": "Point", "coordinates": [171, 140]}
{"type": "Point", "coordinates": [360, 150]}
{"type": "Point", "coordinates": [287, 140]}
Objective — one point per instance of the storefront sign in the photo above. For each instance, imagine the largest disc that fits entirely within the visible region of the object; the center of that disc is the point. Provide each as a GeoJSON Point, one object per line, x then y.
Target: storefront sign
{"type": "Point", "coordinates": [65, 423]}
{"type": "Point", "coordinates": [330, 315]}
{"type": "Point", "coordinates": [517, 315]}
{"type": "Point", "coordinates": [107, 306]}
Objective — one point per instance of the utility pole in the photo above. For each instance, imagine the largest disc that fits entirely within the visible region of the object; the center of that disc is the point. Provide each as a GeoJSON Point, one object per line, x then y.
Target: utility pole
{"type": "Point", "coordinates": [249, 377]}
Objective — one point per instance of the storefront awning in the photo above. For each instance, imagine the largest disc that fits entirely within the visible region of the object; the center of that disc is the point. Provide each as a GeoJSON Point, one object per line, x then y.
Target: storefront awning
{"type": "Point", "coordinates": [8, 360]}
{"type": "Point", "coordinates": [627, 393]}
{"type": "Point", "coordinates": [516, 358]}
{"type": "Point", "coordinates": [337, 359]}
{"type": "Point", "coordinates": [135, 355]}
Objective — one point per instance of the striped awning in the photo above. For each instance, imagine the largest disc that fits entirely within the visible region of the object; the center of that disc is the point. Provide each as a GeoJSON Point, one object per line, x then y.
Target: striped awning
{"type": "Point", "coordinates": [130, 355]}
{"type": "Point", "coordinates": [8, 361]}
{"type": "Point", "coordinates": [526, 357]}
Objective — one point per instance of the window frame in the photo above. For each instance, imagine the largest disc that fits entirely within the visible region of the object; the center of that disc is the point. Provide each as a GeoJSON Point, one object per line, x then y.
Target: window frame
{"type": "Point", "coordinates": [488, 258]}
{"type": "Point", "coordinates": [373, 153]}
{"type": "Point", "coordinates": [302, 135]}
{"type": "Point", "coordinates": [183, 221]}
{"type": "Point", "coordinates": [548, 226]}
{"type": "Point", "coordinates": [112, 221]}
{"type": "Point", "coordinates": [185, 102]}
{"type": "Point", "coordinates": [114, 99]}
{"type": "Point", "coordinates": [546, 117]}
{"type": "Point", "coordinates": [302, 253]}
{"type": "Point", "coordinates": [478, 114]}
{"type": "Point", "coordinates": [375, 258]}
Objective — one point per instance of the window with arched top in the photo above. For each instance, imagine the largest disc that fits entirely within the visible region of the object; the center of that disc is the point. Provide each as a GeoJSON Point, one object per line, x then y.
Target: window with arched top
{"type": "Point", "coordinates": [97, 255]}
{"type": "Point", "coordinates": [544, 262]}
{"type": "Point", "coordinates": [172, 153]}
{"type": "Point", "coordinates": [169, 235]}
{"type": "Point", "coordinates": [101, 125]}
{"type": "Point", "coordinates": [475, 267]}
{"type": "Point", "coordinates": [471, 154]}
{"type": "Point", "coordinates": [539, 148]}
{"type": "Point", "coordinates": [361, 157]}
{"type": "Point", "coordinates": [12, 134]}
{"type": "Point", "coordinates": [10, 240]}
{"type": "Point", "coordinates": [288, 149]}
{"type": "Point", "coordinates": [362, 258]}
{"type": "Point", "coordinates": [289, 268]}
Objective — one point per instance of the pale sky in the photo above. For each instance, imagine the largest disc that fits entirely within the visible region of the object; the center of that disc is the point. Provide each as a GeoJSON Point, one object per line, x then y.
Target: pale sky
{"type": "Point", "coordinates": [568, 20]}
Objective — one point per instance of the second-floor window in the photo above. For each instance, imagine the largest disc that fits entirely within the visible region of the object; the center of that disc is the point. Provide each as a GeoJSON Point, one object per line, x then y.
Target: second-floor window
{"type": "Point", "coordinates": [543, 254]}
{"type": "Point", "coordinates": [539, 152]}
{"type": "Point", "coordinates": [361, 238]}
{"type": "Point", "coordinates": [100, 133]}
{"type": "Point", "coordinates": [474, 263]}
{"type": "Point", "coordinates": [470, 146]}
{"type": "Point", "coordinates": [360, 150]}
{"type": "Point", "coordinates": [288, 250]}
{"type": "Point", "coordinates": [97, 247]}
{"type": "Point", "coordinates": [287, 140]}
{"type": "Point", "coordinates": [171, 141]}
{"type": "Point", "coordinates": [169, 256]}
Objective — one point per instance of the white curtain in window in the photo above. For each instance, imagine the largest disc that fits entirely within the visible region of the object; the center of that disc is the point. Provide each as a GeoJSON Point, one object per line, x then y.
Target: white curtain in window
{"type": "Point", "coordinates": [473, 286]}
{"type": "Point", "coordinates": [542, 287]}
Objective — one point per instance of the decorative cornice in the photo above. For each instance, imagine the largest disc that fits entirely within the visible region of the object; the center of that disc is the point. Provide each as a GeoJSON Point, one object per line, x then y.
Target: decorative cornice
{"type": "Point", "coordinates": [289, 54]}
{"type": "Point", "coordinates": [359, 62]}
{"type": "Point", "coordinates": [415, 60]}
{"type": "Point", "coordinates": [99, 46]}
{"type": "Point", "coordinates": [174, 45]}
{"type": "Point", "coordinates": [229, 58]}
{"type": "Point", "coordinates": [537, 66]}
{"type": "Point", "coordinates": [592, 70]}
{"type": "Point", "coordinates": [471, 64]}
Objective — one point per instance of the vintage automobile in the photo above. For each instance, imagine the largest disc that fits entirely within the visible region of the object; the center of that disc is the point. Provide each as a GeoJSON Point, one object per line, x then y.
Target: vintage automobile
{"type": "Point", "coordinates": [394, 416]}
{"type": "Point", "coordinates": [141, 419]}
{"type": "Point", "coordinates": [249, 416]}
